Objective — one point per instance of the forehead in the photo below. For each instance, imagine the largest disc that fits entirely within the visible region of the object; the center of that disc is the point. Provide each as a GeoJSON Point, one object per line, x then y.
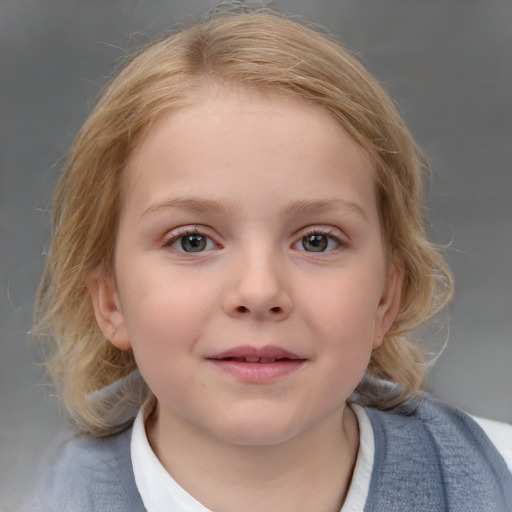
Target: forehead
{"type": "Point", "coordinates": [227, 101]}
{"type": "Point", "coordinates": [235, 136]}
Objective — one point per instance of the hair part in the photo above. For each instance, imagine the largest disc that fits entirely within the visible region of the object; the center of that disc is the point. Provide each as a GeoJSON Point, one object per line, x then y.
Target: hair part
{"type": "Point", "coordinates": [258, 50]}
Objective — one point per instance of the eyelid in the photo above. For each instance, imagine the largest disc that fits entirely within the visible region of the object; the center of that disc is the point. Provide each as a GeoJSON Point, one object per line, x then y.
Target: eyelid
{"type": "Point", "coordinates": [328, 231]}
{"type": "Point", "coordinates": [175, 234]}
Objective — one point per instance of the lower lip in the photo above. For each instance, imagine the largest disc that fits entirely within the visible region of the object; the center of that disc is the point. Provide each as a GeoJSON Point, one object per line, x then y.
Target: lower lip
{"type": "Point", "coordinates": [258, 372]}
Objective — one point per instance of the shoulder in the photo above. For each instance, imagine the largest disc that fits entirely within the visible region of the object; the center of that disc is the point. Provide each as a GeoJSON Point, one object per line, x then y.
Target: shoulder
{"type": "Point", "coordinates": [436, 454]}
{"type": "Point", "coordinates": [89, 474]}
{"type": "Point", "coordinates": [501, 436]}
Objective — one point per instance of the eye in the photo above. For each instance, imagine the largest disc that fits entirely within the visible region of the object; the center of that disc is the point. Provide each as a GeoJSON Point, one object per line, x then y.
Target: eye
{"type": "Point", "coordinates": [190, 242]}
{"type": "Point", "coordinates": [317, 242]}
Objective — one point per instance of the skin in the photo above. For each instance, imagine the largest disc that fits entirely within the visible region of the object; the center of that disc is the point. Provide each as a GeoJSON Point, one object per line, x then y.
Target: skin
{"type": "Point", "coordinates": [255, 174]}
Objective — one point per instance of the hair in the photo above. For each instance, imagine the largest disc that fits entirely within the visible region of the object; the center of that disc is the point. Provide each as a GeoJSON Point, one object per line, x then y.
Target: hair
{"type": "Point", "coordinates": [257, 50]}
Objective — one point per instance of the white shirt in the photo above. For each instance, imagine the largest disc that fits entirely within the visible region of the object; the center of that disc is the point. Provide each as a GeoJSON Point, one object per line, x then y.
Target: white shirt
{"type": "Point", "coordinates": [161, 493]}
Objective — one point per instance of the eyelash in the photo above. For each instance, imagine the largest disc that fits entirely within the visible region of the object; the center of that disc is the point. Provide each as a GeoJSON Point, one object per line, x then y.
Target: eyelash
{"type": "Point", "coordinates": [182, 233]}
{"type": "Point", "coordinates": [328, 233]}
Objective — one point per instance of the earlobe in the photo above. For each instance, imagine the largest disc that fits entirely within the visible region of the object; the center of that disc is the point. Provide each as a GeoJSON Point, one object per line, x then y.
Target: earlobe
{"type": "Point", "coordinates": [389, 304]}
{"type": "Point", "coordinates": [107, 308]}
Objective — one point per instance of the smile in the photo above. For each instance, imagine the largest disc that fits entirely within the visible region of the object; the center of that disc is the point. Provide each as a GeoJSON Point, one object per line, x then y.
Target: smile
{"type": "Point", "coordinates": [253, 364]}
{"type": "Point", "coordinates": [261, 360]}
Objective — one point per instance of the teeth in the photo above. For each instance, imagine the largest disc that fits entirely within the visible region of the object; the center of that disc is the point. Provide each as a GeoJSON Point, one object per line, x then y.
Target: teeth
{"type": "Point", "coordinates": [262, 360]}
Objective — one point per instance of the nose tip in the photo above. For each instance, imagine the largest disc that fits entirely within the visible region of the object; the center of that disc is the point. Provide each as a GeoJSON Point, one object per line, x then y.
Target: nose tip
{"type": "Point", "coordinates": [260, 293]}
{"type": "Point", "coordinates": [273, 311]}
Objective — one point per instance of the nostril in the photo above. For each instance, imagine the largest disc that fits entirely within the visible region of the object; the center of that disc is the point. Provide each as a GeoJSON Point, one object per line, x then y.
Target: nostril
{"type": "Point", "coordinates": [276, 309]}
{"type": "Point", "coordinates": [242, 309]}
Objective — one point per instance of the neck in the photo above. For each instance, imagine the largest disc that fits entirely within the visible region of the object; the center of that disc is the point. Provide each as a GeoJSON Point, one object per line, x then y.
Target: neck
{"type": "Point", "coordinates": [311, 471]}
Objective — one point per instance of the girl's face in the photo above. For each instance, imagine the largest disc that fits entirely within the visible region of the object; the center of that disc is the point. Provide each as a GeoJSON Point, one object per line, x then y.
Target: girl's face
{"type": "Point", "coordinates": [250, 275]}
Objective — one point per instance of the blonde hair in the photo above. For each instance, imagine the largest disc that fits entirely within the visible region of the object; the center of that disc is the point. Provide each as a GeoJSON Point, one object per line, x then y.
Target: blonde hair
{"type": "Point", "coordinates": [99, 383]}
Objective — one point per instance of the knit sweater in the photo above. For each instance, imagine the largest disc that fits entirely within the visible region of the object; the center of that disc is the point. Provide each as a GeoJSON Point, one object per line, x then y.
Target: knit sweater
{"type": "Point", "coordinates": [429, 457]}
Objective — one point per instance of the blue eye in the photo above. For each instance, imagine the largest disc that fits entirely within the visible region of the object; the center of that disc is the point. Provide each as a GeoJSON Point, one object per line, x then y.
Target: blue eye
{"type": "Point", "coordinates": [191, 242]}
{"type": "Point", "coordinates": [317, 242]}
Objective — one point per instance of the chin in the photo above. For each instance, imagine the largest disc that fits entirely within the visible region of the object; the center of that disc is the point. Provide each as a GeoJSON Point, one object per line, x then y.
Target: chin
{"type": "Point", "coordinates": [251, 432]}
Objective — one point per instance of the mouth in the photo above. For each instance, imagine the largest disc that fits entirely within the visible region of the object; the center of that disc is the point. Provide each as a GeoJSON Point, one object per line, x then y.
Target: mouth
{"type": "Point", "coordinates": [263, 355]}
{"type": "Point", "coordinates": [253, 364]}
{"type": "Point", "coordinates": [261, 360]}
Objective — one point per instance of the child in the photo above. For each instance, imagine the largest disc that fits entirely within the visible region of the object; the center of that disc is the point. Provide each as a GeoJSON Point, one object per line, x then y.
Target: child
{"type": "Point", "coordinates": [238, 260]}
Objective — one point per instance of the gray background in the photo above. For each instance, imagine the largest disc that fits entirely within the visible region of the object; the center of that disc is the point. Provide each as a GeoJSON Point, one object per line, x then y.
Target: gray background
{"type": "Point", "coordinates": [447, 63]}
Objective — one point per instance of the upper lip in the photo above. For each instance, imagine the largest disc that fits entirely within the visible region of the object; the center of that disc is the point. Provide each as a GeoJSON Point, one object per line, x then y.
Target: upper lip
{"type": "Point", "coordinates": [268, 352]}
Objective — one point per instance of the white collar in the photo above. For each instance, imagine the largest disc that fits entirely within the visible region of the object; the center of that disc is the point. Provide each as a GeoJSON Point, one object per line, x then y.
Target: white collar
{"type": "Point", "coordinates": [360, 484]}
{"type": "Point", "coordinates": [161, 493]}
{"type": "Point", "coordinates": [158, 490]}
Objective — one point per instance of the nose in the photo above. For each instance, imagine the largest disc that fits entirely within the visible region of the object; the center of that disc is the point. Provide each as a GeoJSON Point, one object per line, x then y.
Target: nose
{"type": "Point", "coordinates": [258, 289]}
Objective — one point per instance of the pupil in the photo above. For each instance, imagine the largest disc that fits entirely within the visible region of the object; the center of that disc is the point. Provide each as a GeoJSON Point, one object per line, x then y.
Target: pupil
{"type": "Point", "coordinates": [315, 243]}
{"type": "Point", "coordinates": [193, 243]}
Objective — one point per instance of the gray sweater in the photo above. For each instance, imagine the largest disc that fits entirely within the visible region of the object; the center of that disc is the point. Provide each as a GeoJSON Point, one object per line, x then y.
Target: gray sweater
{"type": "Point", "coordinates": [429, 457]}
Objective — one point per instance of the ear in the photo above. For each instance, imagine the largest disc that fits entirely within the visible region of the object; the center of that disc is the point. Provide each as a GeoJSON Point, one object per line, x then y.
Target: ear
{"type": "Point", "coordinates": [107, 308]}
{"type": "Point", "coordinates": [389, 303]}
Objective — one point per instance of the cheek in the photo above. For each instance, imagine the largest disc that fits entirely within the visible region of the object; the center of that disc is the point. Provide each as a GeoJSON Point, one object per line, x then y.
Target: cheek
{"type": "Point", "coordinates": [164, 328]}
{"type": "Point", "coordinates": [341, 314]}
{"type": "Point", "coordinates": [164, 314]}
{"type": "Point", "coordinates": [345, 307]}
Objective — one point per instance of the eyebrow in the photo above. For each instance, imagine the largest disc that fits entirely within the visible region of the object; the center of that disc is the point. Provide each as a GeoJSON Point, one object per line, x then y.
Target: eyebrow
{"type": "Point", "coordinates": [190, 203]}
{"type": "Point", "coordinates": [318, 206]}
{"type": "Point", "coordinates": [299, 207]}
